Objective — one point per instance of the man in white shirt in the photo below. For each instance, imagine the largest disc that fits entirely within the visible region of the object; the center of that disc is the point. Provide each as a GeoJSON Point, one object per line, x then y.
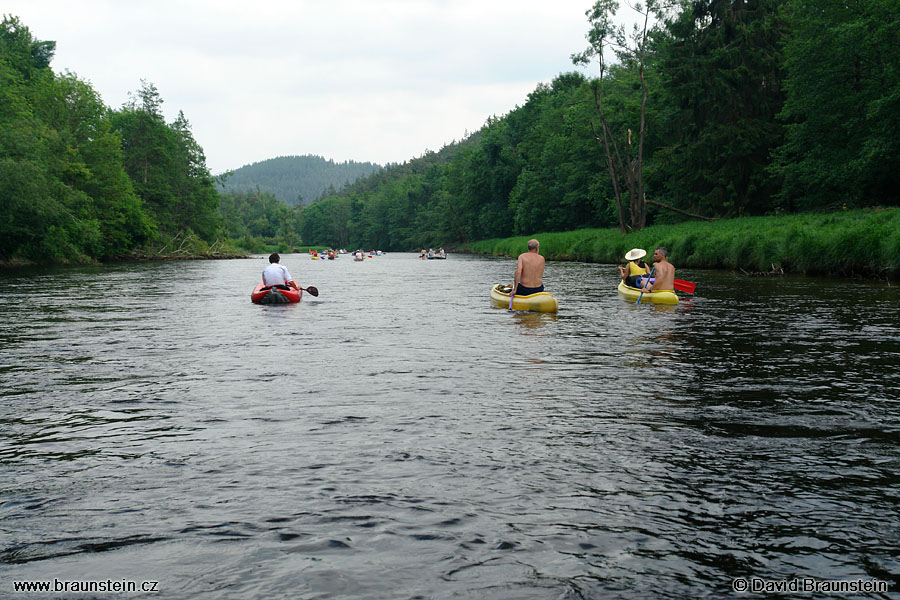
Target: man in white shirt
{"type": "Point", "coordinates": [277, 275]}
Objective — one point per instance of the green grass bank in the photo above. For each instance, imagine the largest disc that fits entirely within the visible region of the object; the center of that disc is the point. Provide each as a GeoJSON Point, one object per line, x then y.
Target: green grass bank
{"type": "Point", "coordinates": [863, 242]}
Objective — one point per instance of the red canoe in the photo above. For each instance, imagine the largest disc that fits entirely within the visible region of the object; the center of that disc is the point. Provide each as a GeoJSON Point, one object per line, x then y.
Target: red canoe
{"type": "Point", "coordinates": [260, 292]}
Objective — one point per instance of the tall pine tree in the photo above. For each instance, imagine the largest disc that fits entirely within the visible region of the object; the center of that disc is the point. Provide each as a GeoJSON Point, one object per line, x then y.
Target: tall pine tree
{"type": "Point", "coordinates": [721, 68]}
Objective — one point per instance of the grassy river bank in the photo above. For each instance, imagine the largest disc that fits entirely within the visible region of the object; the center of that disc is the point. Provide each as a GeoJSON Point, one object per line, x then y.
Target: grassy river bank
{"type": "Point", "coordinates": [853, 243]}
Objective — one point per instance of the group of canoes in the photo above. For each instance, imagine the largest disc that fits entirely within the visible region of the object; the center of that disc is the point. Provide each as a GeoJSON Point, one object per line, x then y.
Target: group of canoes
{"type": "Point", "coordinates": [630, 287]}
{"type": "Point", "coordinates": [636, 277]}
{"type": "Point", "coordinates": [545, 302]}
{"type": "Point", "coordinates": [333, 254]}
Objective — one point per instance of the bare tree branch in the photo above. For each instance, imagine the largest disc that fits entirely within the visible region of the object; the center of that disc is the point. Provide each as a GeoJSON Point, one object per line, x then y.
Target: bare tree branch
{"type": "Point", "coordinates": [678, 210]}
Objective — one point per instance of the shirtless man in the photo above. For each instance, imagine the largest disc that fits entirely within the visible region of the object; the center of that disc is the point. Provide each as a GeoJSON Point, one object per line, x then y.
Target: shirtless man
{"type": "Point", "coordinates": [663, 272]}
{"type": "Point", "coordinates": [529, 271]}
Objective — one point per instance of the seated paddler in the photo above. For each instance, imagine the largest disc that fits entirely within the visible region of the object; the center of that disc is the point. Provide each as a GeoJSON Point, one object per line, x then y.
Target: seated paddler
{"type": "Point", "coordinates": [664, 271]}
{"type": "Point", "coordinates": [529, 278]}
{"type": "Point", "coordinates": [277, 275]}
{"type": "Point", "coordinates": [635, 268]}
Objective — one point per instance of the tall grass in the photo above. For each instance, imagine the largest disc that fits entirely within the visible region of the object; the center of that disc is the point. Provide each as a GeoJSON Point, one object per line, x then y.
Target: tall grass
{"type": "Point", "coordinates": [857, 242]}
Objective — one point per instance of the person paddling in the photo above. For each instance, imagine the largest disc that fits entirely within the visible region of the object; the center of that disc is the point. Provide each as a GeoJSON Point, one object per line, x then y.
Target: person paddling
{"type": "Point", "coordinates": [635, 267]}
{"type": "Point", "coordinates": [277, 275]}
{"type": "Point", "coordinates": [664, 272]}
{"type": "Point", "coordinates": [529, 278]}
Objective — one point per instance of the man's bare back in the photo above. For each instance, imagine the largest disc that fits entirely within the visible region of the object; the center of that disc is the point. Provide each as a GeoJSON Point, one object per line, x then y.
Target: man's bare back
{"type": "Point", "coordinates": [663, 271]}
{"type": "Point", "coordinates": [530, 267]}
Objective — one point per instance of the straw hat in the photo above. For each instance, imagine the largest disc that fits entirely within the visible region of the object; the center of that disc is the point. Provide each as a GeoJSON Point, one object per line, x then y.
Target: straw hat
{"type": "Point", "coordinates": [635, 253]}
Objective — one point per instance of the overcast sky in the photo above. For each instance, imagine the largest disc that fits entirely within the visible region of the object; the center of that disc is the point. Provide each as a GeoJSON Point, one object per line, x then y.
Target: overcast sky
{"type": "Point", "coordinates": [367, 80]}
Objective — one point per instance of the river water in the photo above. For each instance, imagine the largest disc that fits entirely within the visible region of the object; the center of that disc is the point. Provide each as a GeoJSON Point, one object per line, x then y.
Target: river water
{"type": "Point", "coordinates": [399, 437]}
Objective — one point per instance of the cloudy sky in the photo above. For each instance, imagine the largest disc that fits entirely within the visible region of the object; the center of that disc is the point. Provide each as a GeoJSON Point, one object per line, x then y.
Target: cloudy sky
{"type": "Point", "coordinates": [365, 80]}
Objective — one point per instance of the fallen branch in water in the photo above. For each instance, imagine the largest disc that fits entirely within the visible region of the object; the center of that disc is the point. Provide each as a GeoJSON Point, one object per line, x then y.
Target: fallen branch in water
{"type": "Point", "coordinates": [149, 257]}
{"type": "Point", "coordinates": [775, 272]}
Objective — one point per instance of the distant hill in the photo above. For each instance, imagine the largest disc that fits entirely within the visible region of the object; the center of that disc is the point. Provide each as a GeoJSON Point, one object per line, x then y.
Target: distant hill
{"type": "Point", "coordinates": [415, 166]}
{"type": "Point", "coordinates": [288, 177]}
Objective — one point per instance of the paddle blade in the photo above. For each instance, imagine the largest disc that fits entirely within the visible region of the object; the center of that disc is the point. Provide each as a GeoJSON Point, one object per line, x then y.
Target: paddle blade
{"type": "Point", "coordinates": [312, 291]}
{"type": "Point", "coordinates": [684, 286]}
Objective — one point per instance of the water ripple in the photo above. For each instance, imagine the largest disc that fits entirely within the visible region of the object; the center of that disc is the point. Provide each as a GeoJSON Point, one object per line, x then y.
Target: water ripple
{"type": "Point", "coordinates": [399, 437]}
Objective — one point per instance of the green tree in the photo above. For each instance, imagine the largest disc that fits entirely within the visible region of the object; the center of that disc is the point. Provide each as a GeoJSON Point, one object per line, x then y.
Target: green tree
{"type": "Point", "coordinates": [196, 197]}
{"type": "Point", "coordinates": [843, 105]}
{"type": "Point", "coordinates": [147, 146]}
{"type": "Point", "coordinates": [29, 204]}
{"type": "Point", "coordinates": [556, 189]}
{"type": "Point", "coordinates": [22, 52]}
{"type": "Point", "coordinates": [63, 192]}
{"type": "Point", "coordinates": [92, 167]}
{"type": "Point", "coordinates": [167, 167]}
{"type": "Point", "coordinates": [722, 72]}
{"type": "Point", "coordinates": [626, 163]}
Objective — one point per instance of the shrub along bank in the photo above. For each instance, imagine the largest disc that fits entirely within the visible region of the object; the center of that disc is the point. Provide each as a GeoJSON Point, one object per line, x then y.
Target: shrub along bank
{"type": "Point", "coordinates": [850, 243]}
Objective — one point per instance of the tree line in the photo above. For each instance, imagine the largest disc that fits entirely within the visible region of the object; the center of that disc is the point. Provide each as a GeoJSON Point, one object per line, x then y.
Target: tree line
{"type": "Point", "coordinates": [711, 109]}
{"type": "Point", "coordinates": [80, 181]}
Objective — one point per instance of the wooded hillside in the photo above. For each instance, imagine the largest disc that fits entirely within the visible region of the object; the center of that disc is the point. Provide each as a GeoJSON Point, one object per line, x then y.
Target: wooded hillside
{"type": "Point", "coordinates": [290, 178]}
{"type": "Point", "coordinates": [722, 109]}
{"type": "Point", "coordinates": [712, 109]}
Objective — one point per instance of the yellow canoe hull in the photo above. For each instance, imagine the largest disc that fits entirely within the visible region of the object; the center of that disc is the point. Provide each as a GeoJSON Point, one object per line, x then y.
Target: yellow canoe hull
{"type": "Point", "coordinates": [540, 302]}
{"type": "Point", "coordinates": [632, 294]}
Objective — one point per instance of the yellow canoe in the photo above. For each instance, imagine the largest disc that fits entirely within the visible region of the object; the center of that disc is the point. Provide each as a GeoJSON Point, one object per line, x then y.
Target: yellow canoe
{"type": "Point", "coordinates": [662, 297]}
{"type": "Point", "coordinates": [540, 302]}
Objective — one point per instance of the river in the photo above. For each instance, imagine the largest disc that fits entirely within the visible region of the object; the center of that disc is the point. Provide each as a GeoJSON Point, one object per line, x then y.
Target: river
{"type": "Point", "coordinates": [399, 437]}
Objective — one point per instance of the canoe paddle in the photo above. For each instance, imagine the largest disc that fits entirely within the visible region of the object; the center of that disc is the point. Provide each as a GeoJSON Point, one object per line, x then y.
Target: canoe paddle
{"type": "Point", "coordinates": [312, 290]}
{"type": "Point", "coordinates": [684, 286]}
{"type": "Point", "coordinates": [643, 287]}
{"type": "Point", "coordinates": [512, 295]}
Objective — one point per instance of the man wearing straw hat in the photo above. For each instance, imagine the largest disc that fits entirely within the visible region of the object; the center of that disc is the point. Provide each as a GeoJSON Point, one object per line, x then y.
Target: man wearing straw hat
{"type": "Point", "coordinates": [635, 267]}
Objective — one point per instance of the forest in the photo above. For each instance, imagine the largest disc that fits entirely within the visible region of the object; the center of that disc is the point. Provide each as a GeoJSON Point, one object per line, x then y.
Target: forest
{"type": "Point", "coordinates": [297, 179]}
{"type": "Point", "coordinates": [722, 109]}
{"type": "Point", "coordinates": [706, 110]}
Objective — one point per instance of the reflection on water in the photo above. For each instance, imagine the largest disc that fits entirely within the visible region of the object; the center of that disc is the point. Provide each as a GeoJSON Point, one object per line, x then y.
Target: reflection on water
{"type": "Point", "coordinates": [398, 436]}
{"type": "Point", "coordinates": [533, 320]}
